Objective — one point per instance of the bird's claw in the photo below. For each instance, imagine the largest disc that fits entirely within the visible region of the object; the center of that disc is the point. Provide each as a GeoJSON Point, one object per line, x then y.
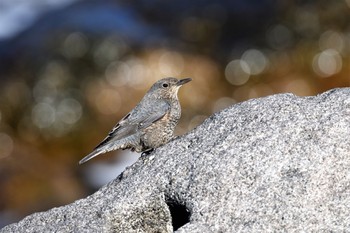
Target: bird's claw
{"type": "Point", "coordinates": [147, 152]}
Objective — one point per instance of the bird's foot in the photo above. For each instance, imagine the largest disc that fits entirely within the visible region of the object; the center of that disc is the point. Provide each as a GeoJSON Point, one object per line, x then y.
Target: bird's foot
{"type": "Point", "coordinates": [147, 152]}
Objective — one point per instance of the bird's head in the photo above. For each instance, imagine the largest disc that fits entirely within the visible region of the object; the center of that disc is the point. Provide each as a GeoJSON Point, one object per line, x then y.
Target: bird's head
{"type": "Point", "coordinates": [168, 87]}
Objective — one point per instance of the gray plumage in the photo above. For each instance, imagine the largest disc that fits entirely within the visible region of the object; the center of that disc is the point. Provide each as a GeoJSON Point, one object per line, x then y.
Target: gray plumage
{"type": "Point", "coordinates": [150, 124]}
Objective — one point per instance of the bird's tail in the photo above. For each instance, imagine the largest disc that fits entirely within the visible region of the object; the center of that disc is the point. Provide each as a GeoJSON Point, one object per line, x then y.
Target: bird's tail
{"type": "Point", "coordinates": [92, 155]}
{"type": "Point", "coordinates": [109, 145]}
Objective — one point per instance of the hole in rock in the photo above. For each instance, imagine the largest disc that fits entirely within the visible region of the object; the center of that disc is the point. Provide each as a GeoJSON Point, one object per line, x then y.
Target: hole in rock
{"type": "Point", "coordinates": [180, 215]}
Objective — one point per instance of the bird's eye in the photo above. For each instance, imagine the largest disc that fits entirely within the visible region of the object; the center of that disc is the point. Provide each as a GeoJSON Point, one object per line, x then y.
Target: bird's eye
{"type": "Point", "coordinates": [165, 85]}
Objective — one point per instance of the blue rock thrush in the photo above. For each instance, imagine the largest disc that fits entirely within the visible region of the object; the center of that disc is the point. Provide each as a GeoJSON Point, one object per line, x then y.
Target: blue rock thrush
{"type": "Point", "coordinates": [149, 125]}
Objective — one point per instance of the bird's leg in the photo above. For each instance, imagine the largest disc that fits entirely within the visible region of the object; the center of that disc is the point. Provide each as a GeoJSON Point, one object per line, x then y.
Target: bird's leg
{"type": "Point", "coordinates": [147, 152]}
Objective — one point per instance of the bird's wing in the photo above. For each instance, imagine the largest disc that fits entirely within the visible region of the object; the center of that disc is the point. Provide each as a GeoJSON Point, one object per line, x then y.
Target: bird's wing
{"type": "Point", "coordinates": [139, 118]}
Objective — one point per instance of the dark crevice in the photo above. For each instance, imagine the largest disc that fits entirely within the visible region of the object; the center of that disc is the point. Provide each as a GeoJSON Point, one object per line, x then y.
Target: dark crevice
{"type": "Point", "coordinates": [180, 214]}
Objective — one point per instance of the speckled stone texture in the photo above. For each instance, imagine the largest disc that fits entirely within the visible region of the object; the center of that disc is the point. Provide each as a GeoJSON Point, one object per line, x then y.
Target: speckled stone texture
{"type": "Point", "coordinates": [274, 164]}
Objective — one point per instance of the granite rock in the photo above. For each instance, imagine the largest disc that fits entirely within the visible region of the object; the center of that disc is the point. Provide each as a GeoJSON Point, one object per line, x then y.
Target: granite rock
{"type": "Point", "coordinates": [279, 163]}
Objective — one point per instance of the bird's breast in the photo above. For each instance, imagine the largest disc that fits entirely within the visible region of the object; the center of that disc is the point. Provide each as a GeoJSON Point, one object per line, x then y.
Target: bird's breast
{"type": "Point", "coordinates": [160, 132]}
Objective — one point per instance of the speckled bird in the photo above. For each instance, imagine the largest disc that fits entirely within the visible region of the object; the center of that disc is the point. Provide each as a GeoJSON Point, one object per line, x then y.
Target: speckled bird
{"type": "Point", "coordinates": [149, 125]}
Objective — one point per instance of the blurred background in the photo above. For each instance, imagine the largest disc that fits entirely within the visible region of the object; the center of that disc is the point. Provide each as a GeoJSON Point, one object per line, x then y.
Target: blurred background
{"type": "Point", "coordinates": [70, 69]}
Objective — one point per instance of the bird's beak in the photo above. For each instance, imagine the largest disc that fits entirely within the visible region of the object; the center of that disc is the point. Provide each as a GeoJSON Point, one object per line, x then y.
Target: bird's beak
{"type": "Point", "coordinates": [183, 81]}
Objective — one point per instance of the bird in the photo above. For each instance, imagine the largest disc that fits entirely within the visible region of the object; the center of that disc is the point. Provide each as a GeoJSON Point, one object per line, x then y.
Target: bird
{"type": "Point", "coordinates": [149, 125]}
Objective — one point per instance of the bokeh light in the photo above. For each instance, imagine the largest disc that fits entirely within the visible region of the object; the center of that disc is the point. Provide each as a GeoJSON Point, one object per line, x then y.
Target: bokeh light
{"type": "Point", "coordinates": [332, 40]}
{"type": "Point", "coordinates": [256, 61]}
{"type": "Point", "coordinates": [75, 45]}
{"type": "Point", "coordinates": [138, 73]}
{"type": "Point", "coordinates": [69, 111]}
{"type": "Point", "coordinates": [43, 115]}
{"type": "Point", "coordinates": [327, 63]}
{"type": "Point", "coordinates": [118, 73]}
{"type": "Point", "coordinates": [237, 72]}
{"type": "Point", "coordinates": [108, 50]}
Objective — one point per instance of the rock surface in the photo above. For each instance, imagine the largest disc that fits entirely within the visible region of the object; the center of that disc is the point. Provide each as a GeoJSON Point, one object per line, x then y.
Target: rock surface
{"type": "Point", "coordinates": [280, 163]}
